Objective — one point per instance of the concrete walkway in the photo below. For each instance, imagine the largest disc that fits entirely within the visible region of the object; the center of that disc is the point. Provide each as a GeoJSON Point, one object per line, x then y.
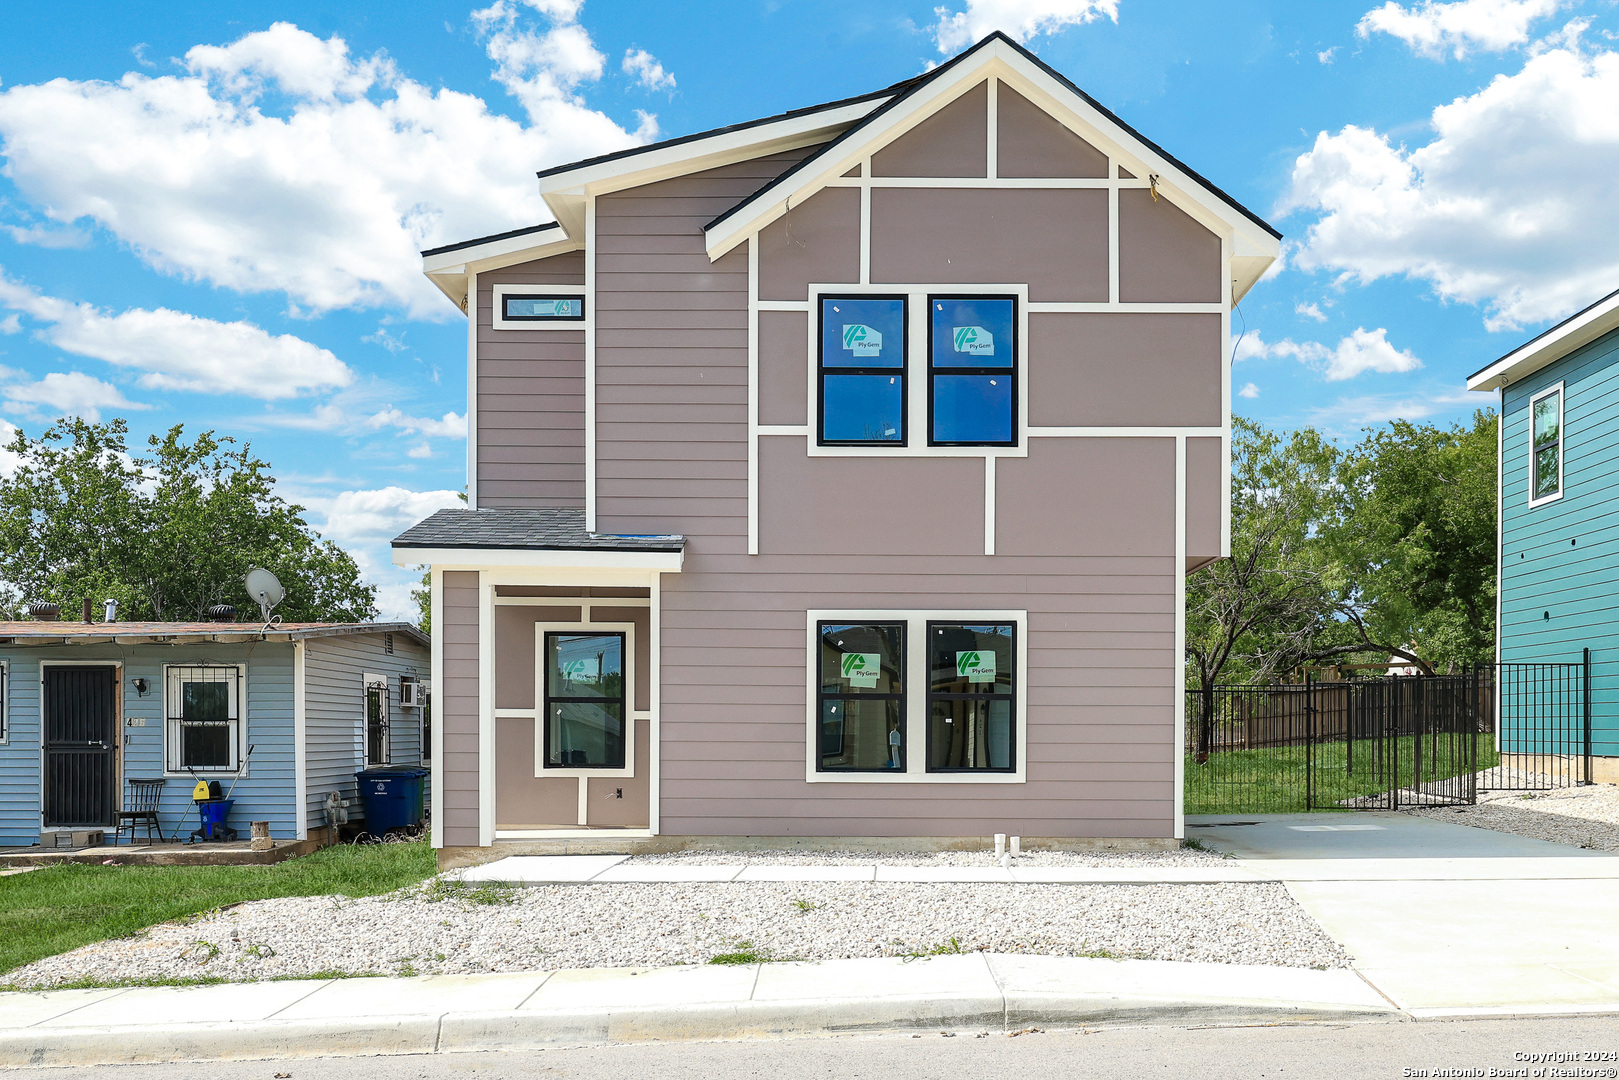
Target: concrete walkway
{"type": "Point", "coordinates": [1446, 919]}
{"type": "Point", "coordinates": [974, 992]}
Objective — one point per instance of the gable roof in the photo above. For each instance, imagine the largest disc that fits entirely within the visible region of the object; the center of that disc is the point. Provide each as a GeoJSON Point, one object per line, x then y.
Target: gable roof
{"type": "Point", "coordinates": [1550, 346]}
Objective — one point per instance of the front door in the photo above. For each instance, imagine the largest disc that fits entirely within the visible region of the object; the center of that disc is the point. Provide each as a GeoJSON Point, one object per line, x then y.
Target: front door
{"type": "Point", "coordinates": [81, 731]}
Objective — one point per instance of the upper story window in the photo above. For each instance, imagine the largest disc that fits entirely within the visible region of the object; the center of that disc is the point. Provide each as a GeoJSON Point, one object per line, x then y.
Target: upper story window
{"type": "Point", "coordinates": [1546, 445]}
{"type": "Point", "coordinates": [972, 371]}
{"type": "Point", "coordinates": [538, 307]}
{"type": "Point", "coordinates": [862, 369]}
{"type": "Point", "coordinates": [203, 709]}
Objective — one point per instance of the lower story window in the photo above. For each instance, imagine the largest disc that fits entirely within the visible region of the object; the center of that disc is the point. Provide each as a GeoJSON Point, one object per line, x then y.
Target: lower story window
{"type": "Point", "coordinates": [862, 697]}
{"type": "Point", "coordinates": [584, 700]}
{"type": "Point", "coordinates": [377, 742]}
{"type": "Point", "coordinates": [203, 708]}
{"type": "Point", "coordinates": [971, 697]}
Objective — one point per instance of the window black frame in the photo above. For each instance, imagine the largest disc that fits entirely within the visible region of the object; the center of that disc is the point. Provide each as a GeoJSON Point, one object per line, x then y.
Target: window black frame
{"type": "Point", "coordinates": [625, 720]}
{"type": "Point", "coordinates": [1013, 371]}
{"type": "Point", "coordinates": [1536, 447]}
{"type": "Point", "coordinates": [903, 371]}
{"type": "Point", "coordinates": [822, 697]}
{"type": "Point", "coordinates": [506, 298]}
{"type": "Point", "coordinates": [1011, 698]}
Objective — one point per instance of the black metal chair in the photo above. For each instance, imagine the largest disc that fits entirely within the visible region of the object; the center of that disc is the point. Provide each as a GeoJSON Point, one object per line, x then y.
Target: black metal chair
{"type": "Point", "coordinates": [140, 808]}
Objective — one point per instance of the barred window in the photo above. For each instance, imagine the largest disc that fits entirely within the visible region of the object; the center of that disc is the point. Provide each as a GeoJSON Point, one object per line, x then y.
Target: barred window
{"type": "Point", "coordinates": [203, 707]}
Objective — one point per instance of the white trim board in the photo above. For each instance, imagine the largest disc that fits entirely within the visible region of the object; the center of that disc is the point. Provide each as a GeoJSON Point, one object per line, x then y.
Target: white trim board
{"type": "Point", "coordinates": [1562, 441]}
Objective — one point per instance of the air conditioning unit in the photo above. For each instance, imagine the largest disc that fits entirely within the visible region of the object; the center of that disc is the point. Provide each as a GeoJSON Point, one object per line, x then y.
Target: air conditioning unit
{"type": "Point", "coordinates": [412, 694]}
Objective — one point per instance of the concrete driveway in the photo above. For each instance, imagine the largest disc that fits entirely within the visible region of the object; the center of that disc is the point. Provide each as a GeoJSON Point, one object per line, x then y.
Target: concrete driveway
{"type": "Point", "coordinates": [1445, 918]}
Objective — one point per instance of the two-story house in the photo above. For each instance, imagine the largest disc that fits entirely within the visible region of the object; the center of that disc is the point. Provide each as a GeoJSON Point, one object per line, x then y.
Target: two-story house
{"type": "Point", "coordinates": [837, 475]}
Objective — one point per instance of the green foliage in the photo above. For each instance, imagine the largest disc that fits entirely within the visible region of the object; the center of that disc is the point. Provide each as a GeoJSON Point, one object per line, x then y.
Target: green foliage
{"type": "Point", "coordinates": [168, 534]}
{"type": "Point", "coordinates": [57, 908]}
{"type": "Point", "coordinates": [422, 596]}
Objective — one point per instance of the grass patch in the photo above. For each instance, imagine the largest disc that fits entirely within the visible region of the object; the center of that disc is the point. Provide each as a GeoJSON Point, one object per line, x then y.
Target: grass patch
{"type": "Point", "coordinates": [1274, 781]}
{"type": "Point", "coordinates": [491, 894]}
{"type": "Point", "coordinates": [948, 948]}
{"type": "Point", "coordinates": [746, 952]}
{"type": "Point", "coordinates": [58, 908]}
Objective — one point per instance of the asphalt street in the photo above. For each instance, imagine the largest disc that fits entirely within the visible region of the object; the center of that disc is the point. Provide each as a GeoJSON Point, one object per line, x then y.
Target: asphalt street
{"type": "Point", "coordinates": [1327, 1052]}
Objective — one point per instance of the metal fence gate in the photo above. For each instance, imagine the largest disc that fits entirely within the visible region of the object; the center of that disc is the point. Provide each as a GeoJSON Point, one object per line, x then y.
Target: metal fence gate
{"type": "Point", "coordinates": [1387, 743]}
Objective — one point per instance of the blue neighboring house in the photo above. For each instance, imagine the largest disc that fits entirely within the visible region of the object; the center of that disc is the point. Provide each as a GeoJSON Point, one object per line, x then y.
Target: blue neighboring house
{"type": "Point", "coordinates": [1558, 556]}
{"type": "Point", "coordinates": [87, 707]}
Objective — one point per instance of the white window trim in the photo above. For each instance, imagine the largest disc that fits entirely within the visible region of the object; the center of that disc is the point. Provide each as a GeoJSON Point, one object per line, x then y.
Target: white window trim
{"type": "Point", "coordinates": [5, 703]}
{"type": "Point", "coordinates": [241, 725]}
{"type": "Point", "coordinates": [367, 681]}
{"type": "Point", "coordinates": [497, 311]}
{"type": "Point", "coordinates": [1562, 443]}
{"type": "Point", "coordinates": [916, 719]}
{"type": "Point", "coordinates": [631, 714]}
{"type": "Point", "coordinates": [916, 369]}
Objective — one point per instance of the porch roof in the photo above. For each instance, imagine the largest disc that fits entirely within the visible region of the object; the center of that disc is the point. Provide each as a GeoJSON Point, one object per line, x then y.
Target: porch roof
{"type": "Point", "coordinates": [524, 530]}
{"type": "Point", "coordinates": [163, 633]}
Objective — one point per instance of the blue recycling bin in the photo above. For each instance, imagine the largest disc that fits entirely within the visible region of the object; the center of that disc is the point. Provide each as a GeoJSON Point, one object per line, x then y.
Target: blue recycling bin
{"type": "Point", "coordinates": [393, 797]}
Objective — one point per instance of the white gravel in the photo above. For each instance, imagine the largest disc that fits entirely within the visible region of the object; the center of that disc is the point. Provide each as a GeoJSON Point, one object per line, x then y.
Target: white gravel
{"type": "Point", "coordinates": [445, 927]}
{"type": "Point", "coordinates": [986, 857]}
{"type": "Point", "coordinates": [1585, 817]}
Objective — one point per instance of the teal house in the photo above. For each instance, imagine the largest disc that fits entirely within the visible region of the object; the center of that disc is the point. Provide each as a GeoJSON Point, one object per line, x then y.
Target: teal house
{"type": "Point", "coordinates": [1558, 556]}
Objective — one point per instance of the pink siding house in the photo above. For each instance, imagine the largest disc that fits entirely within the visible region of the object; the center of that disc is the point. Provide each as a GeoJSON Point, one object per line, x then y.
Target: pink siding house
{"type": "Point", "coordinates": [836, 476]}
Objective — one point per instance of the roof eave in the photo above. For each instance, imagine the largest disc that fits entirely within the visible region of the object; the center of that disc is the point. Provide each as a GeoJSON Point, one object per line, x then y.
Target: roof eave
{"type": "Point", "coordinates": [1550, 346]}
{"type": "Point", "coordinates": [449, 270]}
{"type": "Point", "coordinates": [539, 558]}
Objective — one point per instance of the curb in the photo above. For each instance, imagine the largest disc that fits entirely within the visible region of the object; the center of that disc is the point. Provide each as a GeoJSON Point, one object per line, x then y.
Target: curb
{"type": "Point", "coordinates": [520, 1030]}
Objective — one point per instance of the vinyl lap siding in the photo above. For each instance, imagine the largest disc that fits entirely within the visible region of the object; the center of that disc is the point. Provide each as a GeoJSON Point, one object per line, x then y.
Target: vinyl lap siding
{"type": "Point", "coordinates": [456, 706]}
{"type": "Point", "coordinates": [531, 398]}
{"type": "Point", "coordinates": [1562, 558]}
{"type": "Point", "coordinates": [19, 755]}
{"type": "Point", "coordinates": [334, 712]}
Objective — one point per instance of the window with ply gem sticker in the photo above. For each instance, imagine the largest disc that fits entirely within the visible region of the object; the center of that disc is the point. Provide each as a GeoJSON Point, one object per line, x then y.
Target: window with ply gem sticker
{"type": "Point", "coordinates": [972, 371]}
{"type": "Point", "coordinates": [862, 371]}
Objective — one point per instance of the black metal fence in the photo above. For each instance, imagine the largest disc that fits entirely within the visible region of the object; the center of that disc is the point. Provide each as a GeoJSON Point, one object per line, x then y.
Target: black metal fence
{"type": "Point", "coordinates": [1387, 743]}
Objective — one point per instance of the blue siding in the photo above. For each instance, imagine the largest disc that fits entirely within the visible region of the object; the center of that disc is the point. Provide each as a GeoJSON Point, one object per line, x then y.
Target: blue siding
{"type": "Point", "coordinates": [265, 791]}
{"type": "Point", "coordinates": [1561, 559]}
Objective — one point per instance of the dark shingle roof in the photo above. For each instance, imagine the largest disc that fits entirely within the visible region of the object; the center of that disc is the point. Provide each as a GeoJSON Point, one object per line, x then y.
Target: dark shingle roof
{"type": "Point", "coordinates": [553, 530]}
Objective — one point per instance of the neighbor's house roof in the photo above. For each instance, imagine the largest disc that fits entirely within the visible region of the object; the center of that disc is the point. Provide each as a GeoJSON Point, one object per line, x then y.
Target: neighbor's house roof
{"type": "Point", "coordinates": [454, 536]}
{"type": "Point", "coordinates": [846, 131]}
{"type": "Point", "coordinates": [1580, 328]}
{"type": "Point", "coordinates": [180, 633]}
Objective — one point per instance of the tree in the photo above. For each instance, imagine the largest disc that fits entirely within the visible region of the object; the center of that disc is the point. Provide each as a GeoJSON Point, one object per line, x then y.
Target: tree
{"type": "Point", "coordinates": [167, 535]}
{"type": "Point", "coordinates": [1260, 611]}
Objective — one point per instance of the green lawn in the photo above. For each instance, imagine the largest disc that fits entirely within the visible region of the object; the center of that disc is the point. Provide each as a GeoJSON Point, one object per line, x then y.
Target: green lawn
{"type": "Point", "coordinates": [58, 908]}
{"type": "Point", "coordinates": [1273, 781]}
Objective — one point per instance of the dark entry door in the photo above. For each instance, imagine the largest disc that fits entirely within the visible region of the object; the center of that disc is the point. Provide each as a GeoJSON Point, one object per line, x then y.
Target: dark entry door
{"type": "Point", "coordinates": [81, 731]}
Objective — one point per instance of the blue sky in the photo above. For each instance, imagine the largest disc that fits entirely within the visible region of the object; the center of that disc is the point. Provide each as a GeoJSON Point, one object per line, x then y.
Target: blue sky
{"type": "Point", "coordinates": [209, 218]}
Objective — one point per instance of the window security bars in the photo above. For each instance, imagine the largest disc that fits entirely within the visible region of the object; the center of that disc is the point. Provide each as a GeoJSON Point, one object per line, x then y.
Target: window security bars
{"type": "Point", "coordinates": [377, 743]}
{"type": "Point", "coordinates": [202, 706]}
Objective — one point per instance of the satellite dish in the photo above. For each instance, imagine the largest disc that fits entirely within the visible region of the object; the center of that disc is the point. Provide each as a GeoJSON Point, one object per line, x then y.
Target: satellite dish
{"type": "Point", "coordinates": [264, 587]}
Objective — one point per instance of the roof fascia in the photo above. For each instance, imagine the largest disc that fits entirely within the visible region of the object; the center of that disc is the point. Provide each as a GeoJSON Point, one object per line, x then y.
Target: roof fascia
{"type": "Point", "coordinates": [539, 559]}
{"type": "Point", "coordinates": [1000, 59]}
{"type": "Point", "coordinates": [449, 271]}
{"type": "Point", "coordinates": [1578, 330]}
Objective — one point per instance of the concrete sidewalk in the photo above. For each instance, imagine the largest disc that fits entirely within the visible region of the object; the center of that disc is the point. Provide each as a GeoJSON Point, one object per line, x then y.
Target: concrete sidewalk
{"type": "Point", "coordinates": [974, 992]}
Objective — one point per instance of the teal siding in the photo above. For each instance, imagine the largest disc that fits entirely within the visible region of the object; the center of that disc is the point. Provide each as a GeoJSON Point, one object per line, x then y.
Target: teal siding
{"type": "Point", "coordinates": [1560, 561]}
{"type": "Point", "coordinates": [265, 792]}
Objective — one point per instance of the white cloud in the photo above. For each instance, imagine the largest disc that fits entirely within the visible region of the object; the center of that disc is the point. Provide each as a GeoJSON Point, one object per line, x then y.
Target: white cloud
{"type": "Point", "coordinates": [1325, 56]}
{"type": "Point", "coordinates": [1018, 19]}
{"type": "Point", "coordinates": [1432, 29]}
{"type": "Point", "coordinates": [420, 450]}
{"type": "Point", "coordinates": [1362, 351]}
{"type": "Point", "coordinates": [11, 324]}
{"type": "Point", "coordinates": [1249, 391]}
{"type": "Point", "coordinates": [1311, 311]}
{"type": "Point", "coordinates": [646, 70]}
{"type": "Point", "coordinates": [364, 523]}
{"type": "Point", "coordinates": [1359, 412]}
{"type": "Point", "coordinates": [281, 162]}
{"type": "Point", "coordinates": [334, 417]}
{"type": "Point", "coordinates": [9, 462]}
{"type": "Point", "coordinates": [450, 426]}
{"type": "Point", "coordinates": [179, 351]}
{"type": "Point", "coordinates": [1504, 208]}
{"type": "Point", "coordinates": [62, 393]}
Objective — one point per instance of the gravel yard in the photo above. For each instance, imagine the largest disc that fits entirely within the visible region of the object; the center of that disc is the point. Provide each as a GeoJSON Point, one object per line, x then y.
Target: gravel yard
{"type": "Point", "coordinates": [1582, 816]}
{"type": "Point", "coordinates": [1178, 857]}
{"type": "Point", "coordinates": [446, 927]}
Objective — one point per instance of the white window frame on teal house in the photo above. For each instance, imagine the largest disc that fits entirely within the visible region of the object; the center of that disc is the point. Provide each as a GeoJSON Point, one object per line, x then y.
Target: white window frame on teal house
{"type": "Point", "coordinates": [1562, 443]}
{"type": "Point", "coordinates": [172, 766]}
{"type": "Point", "coordinates": [916, 697]}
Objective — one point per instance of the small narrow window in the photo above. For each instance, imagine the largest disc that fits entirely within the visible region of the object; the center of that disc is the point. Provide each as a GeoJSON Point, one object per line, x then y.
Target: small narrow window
{"type": "Point", "coordinates": [5, 701]}
{"type": "Point", "coordinates": [861, 697]}
{"type": "Point", "coordinates": [1546, 445]}
{"type": "Point", "coordinates": [203, 714]}
{"type": "Point", "coordinates": [972, 371]}
{"type": "Point", "coordinates": [972, 689]}
{"type": "Point", "coordinates": [862, 371]}
{"type": "Point", "coordinates": [377, 742]}
{"type": "Point", "coordinates": [584, 701]}
{"type": "Point", "coordinates": [521, 307]}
